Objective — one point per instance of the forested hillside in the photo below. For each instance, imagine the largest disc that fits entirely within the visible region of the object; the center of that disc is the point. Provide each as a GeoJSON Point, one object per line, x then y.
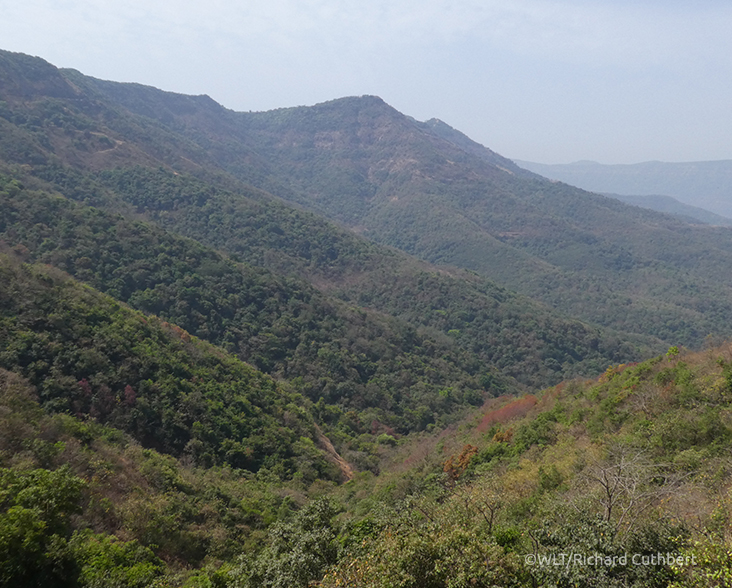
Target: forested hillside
{"type": "Point", "coordinates": [454, 332]}
{"type": "Point", "coordinates": [623, 469]}
{"type": "Point", "coordinates": [585, 254]}
{"type": "Point", "coordinates": [260, 230]}
{"type": "Point", "coordinates": [84, 504]}
{"type": "Point", "coordinates": [220, 366]}
{"type": "Point", "coordinates": [88, 355]}
{"type": "Point", "coordinates": [421, 187]}
{"type": "Point", "coordinates": [429, 190]}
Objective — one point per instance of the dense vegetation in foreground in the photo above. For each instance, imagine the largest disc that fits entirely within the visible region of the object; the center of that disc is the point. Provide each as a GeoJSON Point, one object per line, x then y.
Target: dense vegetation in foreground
{"type": "Point", "coordinates": [83, 504]}
{"type": "Point", "coordinates": [634, 464]}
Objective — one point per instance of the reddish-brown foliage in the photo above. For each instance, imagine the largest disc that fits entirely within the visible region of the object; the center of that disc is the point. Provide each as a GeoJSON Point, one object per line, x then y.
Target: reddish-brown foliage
{"type": "Point", "coordinates": [503, 436]}
{"type": "Point", "coordinates": [614, 370]}
{"type": "Point", "coordinates": [379, 427]}
{"type": "Point", "coordinates": [512, 410]}
{"type": "Point", "coordinates": [455, 465]}
{"type": "Point", "coordinates": [182, 334]}
{"type": "Point", "coordinates": [549, 397]}
{"type": "Point", "coordinates": [129, 397]}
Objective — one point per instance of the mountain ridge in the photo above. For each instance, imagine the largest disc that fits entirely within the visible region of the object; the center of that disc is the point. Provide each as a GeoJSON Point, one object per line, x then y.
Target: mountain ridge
{"type": "Point", "coordinates": [670, 205]}
{"type": "Point", "coordinates": [363, 164]}
{"type": "Point", "coordinates": [706, 184]}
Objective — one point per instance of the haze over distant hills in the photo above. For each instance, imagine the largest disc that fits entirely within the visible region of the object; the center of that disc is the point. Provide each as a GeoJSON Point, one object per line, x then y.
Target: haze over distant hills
{"type": "Point", "coordinates": [672, 206]}
{"type": "Point", "coordinates": [704, 184]}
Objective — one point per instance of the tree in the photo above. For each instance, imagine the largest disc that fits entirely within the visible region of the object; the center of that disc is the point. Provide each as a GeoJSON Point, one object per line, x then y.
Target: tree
{"type": "Point", "coordinates": [298, 553]}
{"type": "Point", "coordinates": [627, 484]}
{"type": "Point", "coordinates": [34, 527]}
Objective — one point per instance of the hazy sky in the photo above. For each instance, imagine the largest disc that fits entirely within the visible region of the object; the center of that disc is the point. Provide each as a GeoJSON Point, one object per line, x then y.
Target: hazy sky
{"type": "Point", "coordinates": [616, 81]}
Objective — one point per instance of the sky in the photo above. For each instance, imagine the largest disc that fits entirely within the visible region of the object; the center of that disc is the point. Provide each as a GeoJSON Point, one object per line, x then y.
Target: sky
{"type": "Point", "coordinates": [616, 81]}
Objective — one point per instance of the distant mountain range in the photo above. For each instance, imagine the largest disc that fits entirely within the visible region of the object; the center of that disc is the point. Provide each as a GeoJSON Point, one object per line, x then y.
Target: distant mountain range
{"type": "Point", "coordinates": [672, 206]}
{"type": "Point", "coordinates": [702, 184]}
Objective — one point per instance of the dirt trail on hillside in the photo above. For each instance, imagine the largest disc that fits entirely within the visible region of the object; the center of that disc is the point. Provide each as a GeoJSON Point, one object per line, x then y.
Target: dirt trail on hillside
{"type": "Point", "coordinates": [342, 464]}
